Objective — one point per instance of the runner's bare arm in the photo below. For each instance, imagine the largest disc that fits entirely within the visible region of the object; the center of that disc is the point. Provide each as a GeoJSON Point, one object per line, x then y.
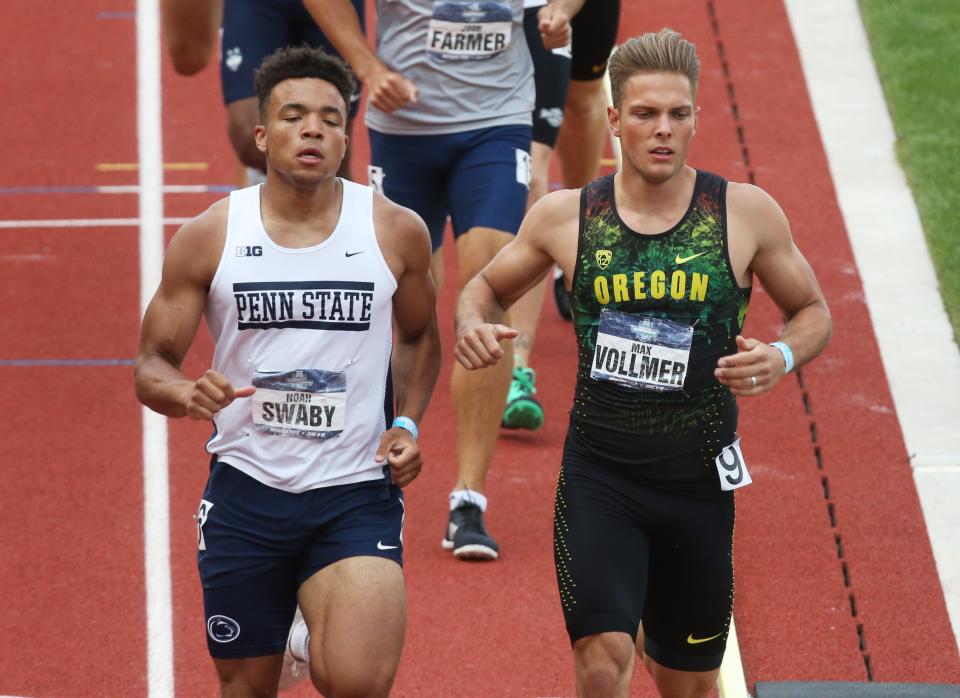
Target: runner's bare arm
{"type": "Point", "coordinates": [337, 19]}
{"type": "Point", "coordinates": [548, 234]}
{"type": "Point", "coordinates": [789, 281]}
{"type": "Point", "coordinates": [171, 322]}
{"type": "Point", "coordinates": [405, 243]}
{"type": "Point", "coordinates": [416, 361]}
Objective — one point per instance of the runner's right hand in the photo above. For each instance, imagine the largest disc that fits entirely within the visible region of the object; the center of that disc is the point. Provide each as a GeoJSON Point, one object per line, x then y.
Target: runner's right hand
{"type": "Point", "coordinates": [479, 346]}
{"type": "Point", "coordinates": [554, 27]}
{"type": "Point", "coordinates": [211, 393]}
{"type": "Point", "coordinates": [388, 91]}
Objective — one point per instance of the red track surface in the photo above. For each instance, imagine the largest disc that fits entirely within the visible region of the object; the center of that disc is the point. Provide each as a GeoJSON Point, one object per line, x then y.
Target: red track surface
{"type": "Point", "coordinates": [834, 570]}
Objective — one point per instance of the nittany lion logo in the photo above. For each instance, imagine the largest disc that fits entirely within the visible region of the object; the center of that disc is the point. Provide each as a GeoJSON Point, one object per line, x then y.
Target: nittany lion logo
{"type": "Point", "coordinates": [222, 629]}
{"type": "Point", "coordinates": [603, 258]}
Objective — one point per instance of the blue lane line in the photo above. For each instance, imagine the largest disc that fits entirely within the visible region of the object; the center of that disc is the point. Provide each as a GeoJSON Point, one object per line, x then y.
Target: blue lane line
{"type": "Point", "coordinates": [212, 188]}
{"type": "Point", "coordinates": [66, 362]}
{"type": "Point", "coordinates": [116, 15]}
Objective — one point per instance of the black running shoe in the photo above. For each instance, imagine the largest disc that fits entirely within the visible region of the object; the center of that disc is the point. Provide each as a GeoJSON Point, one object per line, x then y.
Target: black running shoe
{"type": "Point", "coordinates": [562, 298]}
{"type": "Point", "coordinates": [467, 537]}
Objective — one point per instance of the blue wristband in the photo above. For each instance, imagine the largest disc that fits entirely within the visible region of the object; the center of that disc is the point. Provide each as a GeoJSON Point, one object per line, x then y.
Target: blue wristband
{"type": "Point", "coordinates": [408, 424]}
{"type": "Point", "coordinates": [787, 355]}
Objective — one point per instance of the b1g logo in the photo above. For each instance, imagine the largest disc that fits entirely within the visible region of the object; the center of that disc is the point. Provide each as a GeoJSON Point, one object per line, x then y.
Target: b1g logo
{"type": "Point", "coordinates": [249, 251]}
{"type": "Point", "coordinates": [223, 629]}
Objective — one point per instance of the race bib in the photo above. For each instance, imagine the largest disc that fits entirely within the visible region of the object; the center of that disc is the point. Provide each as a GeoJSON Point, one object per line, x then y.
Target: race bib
{"type": "Point", "coordinates": [375, 176]}
{"type": "Point", "coordinates": [732, 468]}
{"type": "Point", "coordinates": [304, 403]}
{"type": "Point", "coordinates": [469, 31]}
{"type": "Point", "coordinates": [524, 168]}
{"type": "Point", "coordinates": [641, 352]}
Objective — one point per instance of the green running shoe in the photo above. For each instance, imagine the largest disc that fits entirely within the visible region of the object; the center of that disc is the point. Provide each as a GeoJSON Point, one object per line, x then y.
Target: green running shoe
{"type": "Point", "coordinates": [523, 411]}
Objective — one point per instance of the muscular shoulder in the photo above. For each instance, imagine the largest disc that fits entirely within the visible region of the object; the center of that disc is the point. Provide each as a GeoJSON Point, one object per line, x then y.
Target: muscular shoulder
{"type": "Point", "coordinates": [556, 215]}
{"type": "Point", "coordinates": [558, 207]}
{"type": "Point", "coordinates": [401, 233]}
{"type": "Point", "coordinates": [552, 222]}
{"type": "Point", "coordinates": [550, 227]}
{"type": "Point", "coordinates": [750, 204]}
{"type": "Point", "coordinates": [197, 246]}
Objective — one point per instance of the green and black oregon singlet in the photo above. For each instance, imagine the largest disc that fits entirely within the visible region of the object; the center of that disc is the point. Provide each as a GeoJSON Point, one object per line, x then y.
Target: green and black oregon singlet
{"type": "Point", "coordinates": [660, 412]}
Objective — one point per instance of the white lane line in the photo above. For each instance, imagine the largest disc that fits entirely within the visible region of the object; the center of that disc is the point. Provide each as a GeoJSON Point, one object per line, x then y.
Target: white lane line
{"type": "Point", "coordinates": [156, 494]}
{"type": "Point", "coordinates": [117, 189]}
{"type": "Point", "coordinates": [86, 223]}
{"type": "Point", "coordinates": [887, 237]}
{"type": "Point", "coordinates": [731, 681]}
{"type": "Point", "coordinates": [167, 189]}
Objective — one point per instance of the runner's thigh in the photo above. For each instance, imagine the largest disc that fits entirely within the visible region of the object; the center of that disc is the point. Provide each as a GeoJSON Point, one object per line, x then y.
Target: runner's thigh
{"type": "Point", "coordinates": [690, 594]}
{"type": "Point", "coordinates": [600, 549]}
{"type": "Point", "coordinates": [490, 179]}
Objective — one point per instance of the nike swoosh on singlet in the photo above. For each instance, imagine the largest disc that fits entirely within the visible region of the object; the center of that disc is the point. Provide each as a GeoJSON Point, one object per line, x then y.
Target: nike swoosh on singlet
{"type": "Point", "coordinates": [691, 640]}
{"type": "Point", "coordinates": [353, 254]}
{"type": "Point", "coordinates": [381, 546]}
{"type": "Point", "coordinates": [684, 260]}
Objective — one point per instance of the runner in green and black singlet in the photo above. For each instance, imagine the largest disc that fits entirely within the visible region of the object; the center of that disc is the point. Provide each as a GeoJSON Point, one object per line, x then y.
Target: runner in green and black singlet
{"type": "Point", "coordinates": [645, 507]}
{"type": "Point", "coordinates": [684, 275]}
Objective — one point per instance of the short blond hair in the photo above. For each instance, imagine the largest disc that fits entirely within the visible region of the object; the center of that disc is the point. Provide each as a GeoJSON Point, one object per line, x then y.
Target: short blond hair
{"type": "Point", "coordinates": [662, 52]}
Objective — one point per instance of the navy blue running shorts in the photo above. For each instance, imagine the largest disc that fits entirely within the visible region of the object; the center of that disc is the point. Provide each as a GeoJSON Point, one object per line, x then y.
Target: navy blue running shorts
{"type": "Point", "coordinates": [480, 178]}
{"type": "Point", "coordinates": [253, 29]}
{"type": "Point", "coordinates": [626, 552]}
{"type": "Point", "coordinates": [258, 544]}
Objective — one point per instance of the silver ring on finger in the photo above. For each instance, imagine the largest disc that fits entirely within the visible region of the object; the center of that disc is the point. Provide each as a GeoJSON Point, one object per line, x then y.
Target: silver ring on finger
{"type": "Point", "coordinates": [753, 381]}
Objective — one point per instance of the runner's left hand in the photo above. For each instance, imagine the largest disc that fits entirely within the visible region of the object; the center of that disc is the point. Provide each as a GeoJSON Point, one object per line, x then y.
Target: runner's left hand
{"type": "Point", "coordinates": [402, 454]}
{"type": "Point", "coordinates": [753, 370]}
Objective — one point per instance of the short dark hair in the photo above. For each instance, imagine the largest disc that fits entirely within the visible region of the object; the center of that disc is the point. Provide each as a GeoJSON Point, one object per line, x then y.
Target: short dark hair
{"type": "Point", "coordinates": [301, 62]}
{"type": "Point", "coordinates": [662, 52]}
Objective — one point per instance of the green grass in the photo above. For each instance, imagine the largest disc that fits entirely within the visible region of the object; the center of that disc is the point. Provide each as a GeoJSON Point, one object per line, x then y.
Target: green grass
{"type": "Point", "coordinates": [916, 47]}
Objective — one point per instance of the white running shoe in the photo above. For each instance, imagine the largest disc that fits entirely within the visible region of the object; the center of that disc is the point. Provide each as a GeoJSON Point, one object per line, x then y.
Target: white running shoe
{"type": "Point", "coordinates": [296, 659]}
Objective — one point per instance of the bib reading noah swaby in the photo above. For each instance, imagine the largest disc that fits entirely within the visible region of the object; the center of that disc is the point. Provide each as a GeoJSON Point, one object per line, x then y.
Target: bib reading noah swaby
{"type": "Point", "coordinates": [304, 403]}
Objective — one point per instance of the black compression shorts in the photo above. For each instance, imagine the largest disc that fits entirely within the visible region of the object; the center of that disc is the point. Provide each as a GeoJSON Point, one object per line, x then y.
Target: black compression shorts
{"type": "Point", "coordinates": [625, 553]}
{"type": "Point", "coordinates": [551, 76]}
{"type": "Point", "coordinates": [594, 36]}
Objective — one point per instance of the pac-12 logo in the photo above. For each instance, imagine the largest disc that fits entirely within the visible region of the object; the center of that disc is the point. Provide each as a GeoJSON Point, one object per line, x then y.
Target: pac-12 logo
{"type": "Point", "coordinates": [223, 629]}
{"type": "Point", "coordinates": [249, 251]}
{"type": "Point", "coordinates": [603, 258]}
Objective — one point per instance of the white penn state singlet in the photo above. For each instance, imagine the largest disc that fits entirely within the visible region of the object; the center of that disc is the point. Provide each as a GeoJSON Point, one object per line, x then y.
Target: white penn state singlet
{"type": "Point", "coordinates": [312, 329]}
